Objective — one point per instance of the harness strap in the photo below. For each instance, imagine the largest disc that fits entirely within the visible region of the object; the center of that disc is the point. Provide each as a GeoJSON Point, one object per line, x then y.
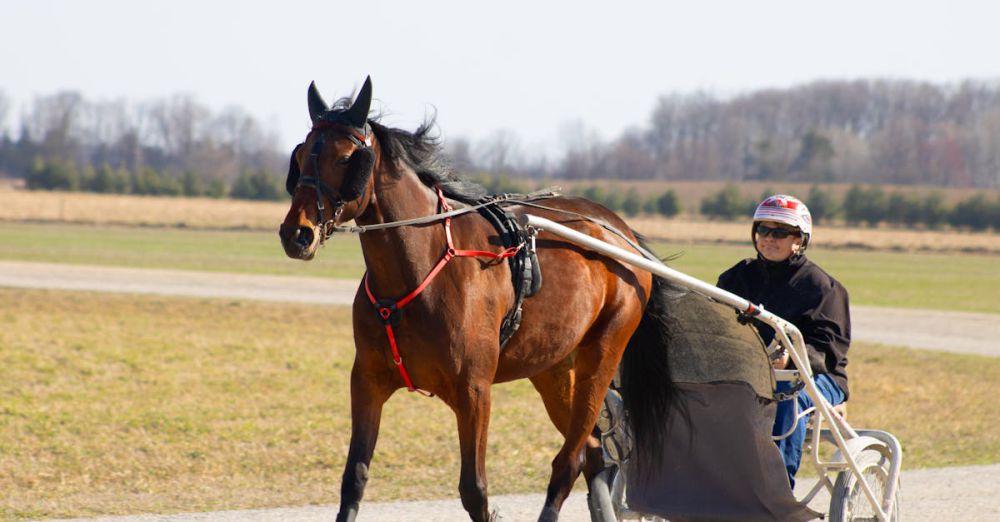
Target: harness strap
{"type": "Point", "coordinates": [389, 310]}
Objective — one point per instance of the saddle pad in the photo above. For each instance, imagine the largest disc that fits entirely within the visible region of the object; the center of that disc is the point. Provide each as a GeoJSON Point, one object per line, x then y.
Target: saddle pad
{"type": "Point", "coordinates": [708, 344]}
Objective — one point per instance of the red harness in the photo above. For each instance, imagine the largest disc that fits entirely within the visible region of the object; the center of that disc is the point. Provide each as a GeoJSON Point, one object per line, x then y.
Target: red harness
{"type": "Point", "coordinates": [387, 308]}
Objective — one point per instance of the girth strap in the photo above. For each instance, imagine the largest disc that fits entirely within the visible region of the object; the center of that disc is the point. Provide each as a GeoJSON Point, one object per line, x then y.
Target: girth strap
{"type": "Point", "coordinates": [389, 311]}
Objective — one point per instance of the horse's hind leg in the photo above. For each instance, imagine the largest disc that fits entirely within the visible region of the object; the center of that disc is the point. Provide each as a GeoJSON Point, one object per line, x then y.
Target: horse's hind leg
{"type": "Point", "coordinates": [367, 399]}
{"type": "Point", "coordinates": [557, 388]}
{"type": "Point", "coordinates": [472, 410]}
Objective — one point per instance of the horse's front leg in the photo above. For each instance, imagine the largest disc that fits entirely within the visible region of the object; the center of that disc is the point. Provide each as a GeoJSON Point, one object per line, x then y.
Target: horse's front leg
{"type": "Point", "coordinates": [367, 399]}
{"type": "Point", "coordinates": [472, 410]}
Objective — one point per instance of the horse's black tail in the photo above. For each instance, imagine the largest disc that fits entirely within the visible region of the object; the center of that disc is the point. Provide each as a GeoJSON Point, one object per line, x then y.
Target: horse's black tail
{"type": "Point", "coordinates": [647, 389]}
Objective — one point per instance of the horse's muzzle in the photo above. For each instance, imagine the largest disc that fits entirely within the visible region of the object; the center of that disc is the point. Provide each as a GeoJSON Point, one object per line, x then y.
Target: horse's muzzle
{"type": "Point", "coordinates": [297, 241]}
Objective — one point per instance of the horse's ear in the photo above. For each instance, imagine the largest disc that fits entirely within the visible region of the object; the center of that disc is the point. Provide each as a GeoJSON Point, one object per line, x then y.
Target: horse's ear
{"type": "Point", "coordinates": [292, 180]}
{"type": "Point", "coordinates": [317, 107]}
{"type": "Point", "coordinates": [358, 113]}
{"type": "Point", "coordinates": [359, 169]}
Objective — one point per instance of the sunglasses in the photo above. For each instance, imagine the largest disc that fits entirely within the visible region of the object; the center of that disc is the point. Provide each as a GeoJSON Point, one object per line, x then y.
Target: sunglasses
{"type": "Point", "coordinates": [775, 232]}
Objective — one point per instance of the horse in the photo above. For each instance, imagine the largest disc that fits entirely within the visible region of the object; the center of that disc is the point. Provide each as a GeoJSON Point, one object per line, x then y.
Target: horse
{"type": "Point", "coordinates": [429, 320]}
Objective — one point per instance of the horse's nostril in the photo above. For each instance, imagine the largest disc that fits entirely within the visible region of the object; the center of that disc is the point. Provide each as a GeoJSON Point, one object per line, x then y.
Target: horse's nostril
{"type": "Point", "coordinates": [304, 237]}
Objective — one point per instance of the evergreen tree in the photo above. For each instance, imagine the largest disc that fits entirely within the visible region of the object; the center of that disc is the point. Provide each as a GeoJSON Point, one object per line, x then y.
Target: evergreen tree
{"type": "Point", "coordinates": [668, 204]}
{"type": "Point", "coordinates": [821, 204]}
{"type": "Point", "coordinates": [632, 202]}
{"type": "Point", "coordinates": [933, 211]}
{"type": "Point", "coordinates": [192, 184]}
{"type": "Point", "coordinates": [727, 203]}
{"type": "Point", "coordinates": [256, 184]}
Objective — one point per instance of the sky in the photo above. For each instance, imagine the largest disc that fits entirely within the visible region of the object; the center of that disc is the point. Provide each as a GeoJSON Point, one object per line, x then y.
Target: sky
{"type": "Point", "coordinates": [548, 72]}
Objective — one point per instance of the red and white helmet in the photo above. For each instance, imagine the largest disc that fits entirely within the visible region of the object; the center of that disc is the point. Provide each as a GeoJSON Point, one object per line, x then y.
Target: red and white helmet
{"type": "Point", "coordinates": [786, 209]}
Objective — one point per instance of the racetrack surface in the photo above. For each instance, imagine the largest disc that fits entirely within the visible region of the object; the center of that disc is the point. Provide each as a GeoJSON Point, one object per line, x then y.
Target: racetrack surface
{"type": "Point", "coordinates": [960, 332]}
{"type": "Point", "coordinates": [965, 493]}
{"type": "Point", "coordinates": [928, 495]}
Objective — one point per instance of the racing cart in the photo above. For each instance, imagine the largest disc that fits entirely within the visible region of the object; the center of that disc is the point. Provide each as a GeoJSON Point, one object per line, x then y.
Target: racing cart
{"type": "Point", "coordinates": [719, 461]}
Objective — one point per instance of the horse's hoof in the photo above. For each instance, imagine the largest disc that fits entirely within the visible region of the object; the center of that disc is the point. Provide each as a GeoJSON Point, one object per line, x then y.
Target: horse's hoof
{"type": "Point", "coordinates": [495, 516]}
{"type": "Point", "coordinates": [549, 514]}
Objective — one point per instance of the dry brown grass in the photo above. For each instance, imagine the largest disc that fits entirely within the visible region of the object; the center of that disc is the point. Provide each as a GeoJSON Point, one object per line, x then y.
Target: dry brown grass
{"type": "Point", "coordinates": [824, 236]}
{"type": "Point", "coordinates": [107, 209]}
{"type": "Point", "coordinates": [204, 213]}
{"type": "Point", "coordinates": [113, 404]}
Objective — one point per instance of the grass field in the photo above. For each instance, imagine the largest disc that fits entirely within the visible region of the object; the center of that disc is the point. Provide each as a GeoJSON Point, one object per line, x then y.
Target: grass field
{"type": "Point", "coordinates": [965, 282]}
{"type": "Point", "coordinates": [123, 404]}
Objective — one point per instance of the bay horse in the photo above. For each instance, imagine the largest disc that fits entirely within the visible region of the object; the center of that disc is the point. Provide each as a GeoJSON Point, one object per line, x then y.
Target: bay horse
{"type": "Point", "coordinates": [431, 324]}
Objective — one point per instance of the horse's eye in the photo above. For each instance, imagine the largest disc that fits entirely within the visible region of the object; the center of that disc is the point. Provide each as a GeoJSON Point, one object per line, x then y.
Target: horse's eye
{"type": "Point", "coordinates": [343, 160]}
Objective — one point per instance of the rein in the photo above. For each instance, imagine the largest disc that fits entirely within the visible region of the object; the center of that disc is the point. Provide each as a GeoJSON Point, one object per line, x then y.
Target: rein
{"type": "Point", "coordinates": [388, 310]}
{"type": "Point", "coordinates": [449, 213]}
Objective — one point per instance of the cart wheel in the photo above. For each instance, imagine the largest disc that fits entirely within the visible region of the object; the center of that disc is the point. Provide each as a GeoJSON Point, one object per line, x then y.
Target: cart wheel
{"type": "Point", "coordinates": [849, 503]}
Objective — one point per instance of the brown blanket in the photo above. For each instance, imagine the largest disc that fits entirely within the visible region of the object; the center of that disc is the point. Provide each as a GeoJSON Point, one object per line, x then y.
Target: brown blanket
{"type": "Point", "coordinates": [709, 345]}
{"type": "Point", "coordinates": [721, 464]}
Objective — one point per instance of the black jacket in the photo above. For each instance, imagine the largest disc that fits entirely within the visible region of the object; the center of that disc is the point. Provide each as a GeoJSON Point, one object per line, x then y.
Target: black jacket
{"type": "Point", "coordinates": [799, 291]}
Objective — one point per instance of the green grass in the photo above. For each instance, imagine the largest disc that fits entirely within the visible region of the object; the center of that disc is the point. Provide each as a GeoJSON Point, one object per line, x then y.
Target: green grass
{"type": "Point", "coordinates": [963, 282]}
{"type": "Point", "coordinates": [113, 404]}
{"type": "Point", "coordinates": [122, 404]}
{"type": "Point", "coordinates": [252, 252]}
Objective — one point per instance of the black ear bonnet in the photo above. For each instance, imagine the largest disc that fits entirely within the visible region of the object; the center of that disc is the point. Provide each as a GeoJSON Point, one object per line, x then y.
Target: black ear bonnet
{"type": "Point", "coordinates": [292, 180]}
{"type": "Point", "coordinates": [352, 121]}
{"type": "Point", "coordinates": [359, 169]}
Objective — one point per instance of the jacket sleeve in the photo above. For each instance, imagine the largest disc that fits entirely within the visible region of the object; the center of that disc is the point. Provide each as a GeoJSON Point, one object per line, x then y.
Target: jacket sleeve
{"type": "Point", "coordinates": [826, 328]}
{"type": "Point", "coordinates": [728, 280]}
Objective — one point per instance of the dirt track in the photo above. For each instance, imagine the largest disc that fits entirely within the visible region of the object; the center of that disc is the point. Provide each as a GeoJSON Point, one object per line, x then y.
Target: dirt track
{"type": "Point", "coordinates": [931, 495]}
{"type": "Point", "coordinates": [927, 329]}
{"type": "Point", "coordinates": [967, 493]}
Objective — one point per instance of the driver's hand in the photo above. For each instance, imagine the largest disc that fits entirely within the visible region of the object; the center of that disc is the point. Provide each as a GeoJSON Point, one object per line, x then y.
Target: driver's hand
{"type": "Point", "coordinates": [781, 362]}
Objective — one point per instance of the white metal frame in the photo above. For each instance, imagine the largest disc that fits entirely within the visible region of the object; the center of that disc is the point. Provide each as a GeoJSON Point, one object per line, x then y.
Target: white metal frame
{"type": "Point", "coordinates": [848, 441]}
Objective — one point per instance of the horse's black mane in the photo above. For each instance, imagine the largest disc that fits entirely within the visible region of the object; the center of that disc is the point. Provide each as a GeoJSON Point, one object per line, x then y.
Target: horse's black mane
{"type": "Point", "coordinates": [421, 151]}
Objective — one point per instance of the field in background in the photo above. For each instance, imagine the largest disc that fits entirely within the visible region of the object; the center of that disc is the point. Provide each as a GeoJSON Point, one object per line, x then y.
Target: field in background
{"type": "Point", "coordinates": [223, 214]}
{"type": "Point", "coordinates": [116, 404]}
{"type": "Point", "coordinates": [924, 279]}
{"type": "Point", "coordinates": [690, 193]}
{"type": "Point", "coordinates": [123, 404]}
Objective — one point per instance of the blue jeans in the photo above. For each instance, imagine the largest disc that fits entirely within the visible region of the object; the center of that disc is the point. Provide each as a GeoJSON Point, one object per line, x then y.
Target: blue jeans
{"type": "Point", "coordinates": [791, 447]}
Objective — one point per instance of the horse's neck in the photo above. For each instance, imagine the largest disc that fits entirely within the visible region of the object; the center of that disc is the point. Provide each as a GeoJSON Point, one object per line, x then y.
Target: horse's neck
{"type": "Point", "coordinates": [399, 258]}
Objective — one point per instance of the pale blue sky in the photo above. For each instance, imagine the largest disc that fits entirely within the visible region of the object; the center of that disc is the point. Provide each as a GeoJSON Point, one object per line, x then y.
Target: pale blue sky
{"type": "Point", "coordinates": [530, 67]}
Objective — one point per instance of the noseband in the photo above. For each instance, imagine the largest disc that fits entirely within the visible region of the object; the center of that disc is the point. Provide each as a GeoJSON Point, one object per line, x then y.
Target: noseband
{"type": "Point", "coordinates": [362, 139]}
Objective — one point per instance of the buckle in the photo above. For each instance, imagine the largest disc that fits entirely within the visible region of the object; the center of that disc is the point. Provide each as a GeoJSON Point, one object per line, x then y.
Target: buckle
{"type": "Point", "coordinates": [387, 312]}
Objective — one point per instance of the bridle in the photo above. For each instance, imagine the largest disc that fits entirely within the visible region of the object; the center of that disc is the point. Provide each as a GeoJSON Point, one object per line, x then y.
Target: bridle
{"type": "Point", "coordinates": [362, 139]}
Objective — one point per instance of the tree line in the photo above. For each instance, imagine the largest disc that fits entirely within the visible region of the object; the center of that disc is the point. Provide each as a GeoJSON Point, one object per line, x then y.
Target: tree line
{"type": "Point", "coordinates": [852, 132]}
{"type": "Point", "coordinates": [867, 131]}
{"type": "Point", "coordinates": [869, 205]}
{"type": "Point", "coordinates": [860, 205]}
{"type": "Point", "coordinates": [170, 146]}
{"type": "Point", "coordinates": [64, 175]}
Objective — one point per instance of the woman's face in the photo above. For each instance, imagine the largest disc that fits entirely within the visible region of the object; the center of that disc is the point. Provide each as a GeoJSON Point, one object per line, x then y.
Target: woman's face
{"type": "Point", "coordinates": [774, 249]}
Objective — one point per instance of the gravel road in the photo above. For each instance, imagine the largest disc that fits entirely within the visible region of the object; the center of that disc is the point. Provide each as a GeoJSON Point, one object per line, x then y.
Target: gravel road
{"type": "Point", "coordinates": [929, 329]}
{"type": "Point", "coordinates": [966, 493]}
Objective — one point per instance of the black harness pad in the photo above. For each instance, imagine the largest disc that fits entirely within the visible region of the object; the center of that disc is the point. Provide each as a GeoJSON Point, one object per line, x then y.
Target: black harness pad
{"type": "Point", "coordinates": [526, 275]}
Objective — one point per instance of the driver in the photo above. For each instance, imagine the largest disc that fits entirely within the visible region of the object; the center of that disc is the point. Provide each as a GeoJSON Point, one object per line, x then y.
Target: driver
{"type": "Point", "coordinates": [791, 286]}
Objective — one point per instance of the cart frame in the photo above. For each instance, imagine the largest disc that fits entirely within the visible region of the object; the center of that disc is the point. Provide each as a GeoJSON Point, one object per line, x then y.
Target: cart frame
{"type": "Point", "coordinates": [828, 425]}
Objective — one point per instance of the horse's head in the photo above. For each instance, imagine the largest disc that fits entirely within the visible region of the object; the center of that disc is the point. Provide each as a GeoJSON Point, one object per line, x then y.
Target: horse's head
{"type": "Point", "coordinates": [329, 174]}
